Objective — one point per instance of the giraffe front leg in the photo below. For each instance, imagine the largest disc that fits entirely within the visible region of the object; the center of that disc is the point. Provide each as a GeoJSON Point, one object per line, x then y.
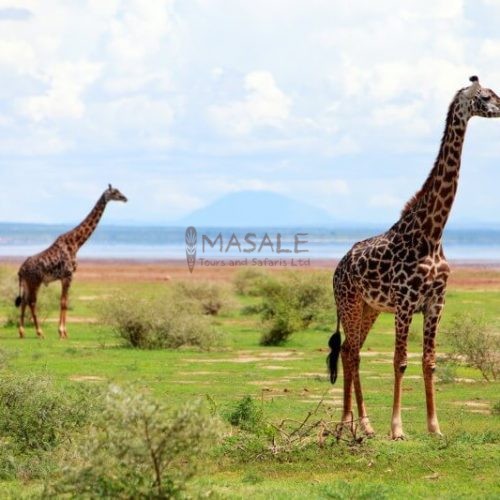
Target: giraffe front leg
{"type": "Point", "coordinates": [431, 321]}
{"type": "Point", "coordinates": [38, 328]}
{"type": "Point", "coordinates": [66, 282]}
{"type": "Point", "coordinates": [403, 320]}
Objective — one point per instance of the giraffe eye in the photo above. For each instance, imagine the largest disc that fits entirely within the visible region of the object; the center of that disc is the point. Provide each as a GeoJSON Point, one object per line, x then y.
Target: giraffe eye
{"type": "Point", "coordinates": [485, 97]}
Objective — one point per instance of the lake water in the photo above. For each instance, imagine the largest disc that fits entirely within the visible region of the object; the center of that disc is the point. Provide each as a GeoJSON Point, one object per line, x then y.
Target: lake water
{"type": "Point", "coordinates": [133, 242]}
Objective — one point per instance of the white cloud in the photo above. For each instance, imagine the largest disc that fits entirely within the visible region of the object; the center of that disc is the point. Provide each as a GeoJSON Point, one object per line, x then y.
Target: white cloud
{"type": "Point", "coordinates": [145, 121]}
{"type": "Point", "coordinates": [264, 105]}
{"type": "Point", "coordinates": [407, 117]}
{"type": "Point", "coordinates": [138, 29]}
{"type": "Point", "coordinates": [17, 54]}
{"type": "Point", "coordinates": [63, 99]}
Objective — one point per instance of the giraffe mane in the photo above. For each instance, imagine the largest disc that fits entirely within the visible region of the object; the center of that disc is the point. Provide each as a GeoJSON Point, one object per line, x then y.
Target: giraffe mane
{"type": "Point", "coordinates": [413, 201]}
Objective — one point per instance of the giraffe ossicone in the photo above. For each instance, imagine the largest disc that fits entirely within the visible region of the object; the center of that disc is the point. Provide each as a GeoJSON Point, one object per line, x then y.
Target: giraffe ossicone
{"type": "Point", "coordinates": [404, 270]}
{"type": "Point", "coordinates": [58, 262]}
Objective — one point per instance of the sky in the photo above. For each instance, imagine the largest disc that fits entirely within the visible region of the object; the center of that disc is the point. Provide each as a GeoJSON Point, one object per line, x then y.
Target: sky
{"type": "Point", "coordinates": [177, 103]}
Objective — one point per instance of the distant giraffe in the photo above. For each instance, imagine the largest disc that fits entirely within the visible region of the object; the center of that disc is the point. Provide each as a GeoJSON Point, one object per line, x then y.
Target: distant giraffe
{"type": "Point", "coordinates": [58, 262]}
{"type": "Point", "coordinates": [404, 270]}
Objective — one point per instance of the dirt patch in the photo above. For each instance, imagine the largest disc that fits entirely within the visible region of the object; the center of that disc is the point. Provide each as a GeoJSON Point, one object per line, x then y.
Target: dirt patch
{"type": "Point", "coordinates": [274, 367]}
{"type": "Point", "coordinates": [203, 373]}
{"type": "Point", "coordinates": [475, 406]}
{"type": "Point", "coordinates": [472, 404]}
{"type": "Point", "coordinates": [74, 319]}
{"type": "Point", "coordinates": [249, 357]}
{"type": "Point", "coordinates": [86, 378]}
{"type": "Point", "coordinates": [90, 298]}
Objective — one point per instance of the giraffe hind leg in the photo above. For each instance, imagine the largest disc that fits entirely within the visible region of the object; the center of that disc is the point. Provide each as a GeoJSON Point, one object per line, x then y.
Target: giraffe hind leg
{"type": "Point", "coordinates": [368, 318]}
{"type": "Point", "coordinates": [351, 316]}
{"type": "Point", "coordinates": [32, 296]}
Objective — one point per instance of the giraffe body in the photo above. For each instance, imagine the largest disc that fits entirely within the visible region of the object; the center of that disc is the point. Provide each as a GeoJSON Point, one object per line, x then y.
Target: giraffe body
{"type": "Point", "coordinates": [404, 270]}
{"type": "Point", "coordinates": [58, 263]}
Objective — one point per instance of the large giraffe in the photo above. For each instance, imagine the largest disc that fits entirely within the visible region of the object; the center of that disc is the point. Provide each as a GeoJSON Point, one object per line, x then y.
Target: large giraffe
{"type": "Point", "coordinates": [58, 262]}
{"type": "Point", "coordinates": [404, 271]}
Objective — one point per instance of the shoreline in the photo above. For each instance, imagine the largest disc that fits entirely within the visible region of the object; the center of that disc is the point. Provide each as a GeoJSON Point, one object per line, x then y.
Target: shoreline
{"type": "Point", "coordinates": [313, 262]}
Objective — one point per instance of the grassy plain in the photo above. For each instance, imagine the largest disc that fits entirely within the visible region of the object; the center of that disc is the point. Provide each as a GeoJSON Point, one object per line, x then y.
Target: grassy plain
{"type": "Point", "coordinates": [286, 382]}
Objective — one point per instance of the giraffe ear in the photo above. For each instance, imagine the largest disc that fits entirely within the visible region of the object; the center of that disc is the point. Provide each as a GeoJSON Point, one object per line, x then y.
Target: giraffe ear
{"type": "Point", "coordinates": [472, 89]}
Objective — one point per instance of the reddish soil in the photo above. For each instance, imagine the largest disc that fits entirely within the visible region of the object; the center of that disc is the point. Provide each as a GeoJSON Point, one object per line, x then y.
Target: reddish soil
{"type": "Point", "coordinates": [477, 276]}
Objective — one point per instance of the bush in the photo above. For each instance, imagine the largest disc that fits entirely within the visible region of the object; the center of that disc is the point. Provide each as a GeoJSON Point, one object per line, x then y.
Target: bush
{"type": "Point", "coordinates": [159, 323]}
{"type": "Point", "coordinates": [137, 449]}
{"type": "Point", "coordinates": [249, 281]}
{"type": "Point", "coordinates": [291, 304]}
{"type": "Point", "coordinates": [210, 297]}
{"type": "Point", "coordinates": [245, 414]}
{"type": "Point", "coordinates": [36, 416]}
{"type": "Point", "coordinates": [35, 419]}
{"type": "Point", "coordinates": [472, 340]}
{"type": "Point", "coordinates": [47, 301]}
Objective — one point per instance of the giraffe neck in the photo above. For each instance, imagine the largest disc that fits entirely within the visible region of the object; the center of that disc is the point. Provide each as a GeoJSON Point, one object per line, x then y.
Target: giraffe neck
{"type": "Point", "coordinates": [429, 209]}
{"type": "Point", "coordinates": [81, 233]}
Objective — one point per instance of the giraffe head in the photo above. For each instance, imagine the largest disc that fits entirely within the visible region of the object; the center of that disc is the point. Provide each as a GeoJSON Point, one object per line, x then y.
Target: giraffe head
{"type": "Point", "coordinates": [480, 101]}
{"type": "Point", "coordinates": [113, 194]}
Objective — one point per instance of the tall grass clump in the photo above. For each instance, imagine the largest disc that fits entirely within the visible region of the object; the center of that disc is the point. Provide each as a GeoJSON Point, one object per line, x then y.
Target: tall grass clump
{"type": "Point", "coordinates": [473, 341]}
{"type": "Point", "coordinates": [291, 304]}
{"type": "Point", "coordinates": [159, 323]}
{"type": "Point", "coordinates": [137, 449]}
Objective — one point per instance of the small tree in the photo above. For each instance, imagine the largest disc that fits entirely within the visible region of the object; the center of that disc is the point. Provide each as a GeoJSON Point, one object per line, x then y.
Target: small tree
{"type": "Point", "coordinates": [137, 449]}
{"type": "Point", "coordinates": [471, 339]}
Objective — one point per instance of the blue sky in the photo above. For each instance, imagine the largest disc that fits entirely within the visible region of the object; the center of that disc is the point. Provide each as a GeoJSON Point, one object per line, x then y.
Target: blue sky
{"type": "Point", "coordinates": [338, 104]}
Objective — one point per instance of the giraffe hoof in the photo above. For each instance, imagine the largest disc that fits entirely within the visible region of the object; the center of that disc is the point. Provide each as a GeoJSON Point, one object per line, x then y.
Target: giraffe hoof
{"type": "Point", "coordinates": [398, 437]}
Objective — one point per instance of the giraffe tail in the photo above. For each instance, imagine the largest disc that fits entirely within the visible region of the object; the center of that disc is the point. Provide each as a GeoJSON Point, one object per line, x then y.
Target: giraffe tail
{"type": "Point", "coordinates": [334, 344]}
{"type": "Point", "coordinates": [18, 300]}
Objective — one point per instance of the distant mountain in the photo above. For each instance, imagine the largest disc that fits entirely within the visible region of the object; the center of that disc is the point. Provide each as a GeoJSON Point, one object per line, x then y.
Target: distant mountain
{"type": "Point", "coordinates": [257, 209]}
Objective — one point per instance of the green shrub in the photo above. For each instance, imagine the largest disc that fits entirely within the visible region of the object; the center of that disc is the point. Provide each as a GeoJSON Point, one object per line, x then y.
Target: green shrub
{"type": "Point", "coordinates": [245, 414]}
{"type": "Point", "coordinates": [159, 323]}
{"type": "Point", "coordinates": [35, 419]}
{"type": "Point", "coordinates": [210, 297]}
{"type": "Point", "coordinates": [136, 449]}
{"type": "Point", "coordinates": [291, 304]}
{"type": "Point", "coordinates": [36, 416]}
{"type": "Point", "coordinates": [249, 281]}
{"type": "Point", "coordinates": [471, 339]}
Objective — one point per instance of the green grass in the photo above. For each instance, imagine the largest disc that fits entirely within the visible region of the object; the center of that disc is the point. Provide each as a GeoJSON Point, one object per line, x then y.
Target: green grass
{"type": "Point", "coordinates": [288, 382]}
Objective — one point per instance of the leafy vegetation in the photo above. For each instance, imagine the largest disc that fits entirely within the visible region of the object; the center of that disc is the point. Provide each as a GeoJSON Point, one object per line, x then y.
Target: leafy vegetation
{"type": "Point", "coordinates": [291, 304]}
{"type": "Point", "coordinates": [159, 322]}
{"type": "Point", "coordinates": [472, 339]}
{"type": "Point", "coordinates": [211, 298]}
{"type": "Point", "coordinates": [268, 392]}
{"type": "Point", "coordinates": [136, 449]}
